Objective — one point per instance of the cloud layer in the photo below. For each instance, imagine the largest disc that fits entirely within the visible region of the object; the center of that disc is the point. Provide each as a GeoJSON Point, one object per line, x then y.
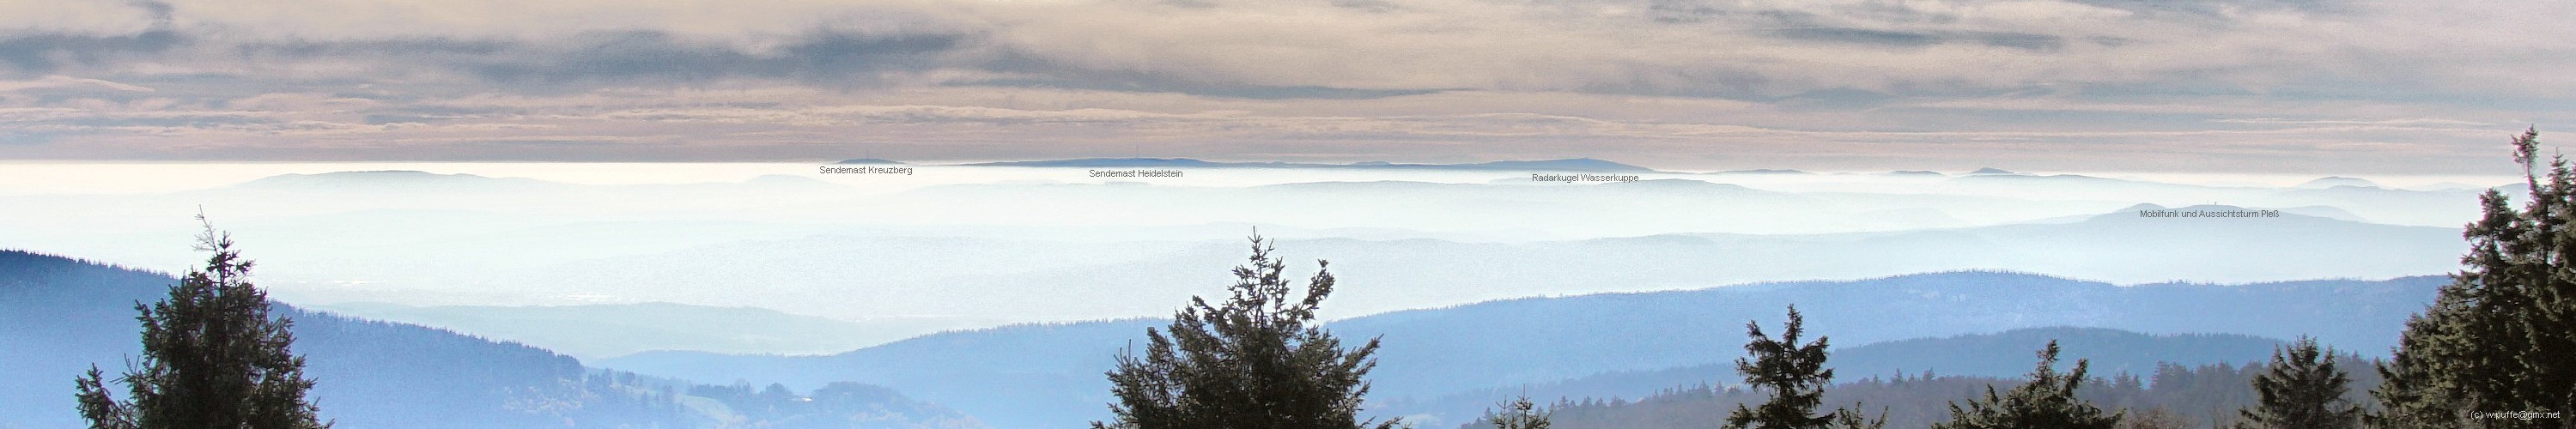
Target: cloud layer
{"type": "Point", "coordinates": [2193, 85]}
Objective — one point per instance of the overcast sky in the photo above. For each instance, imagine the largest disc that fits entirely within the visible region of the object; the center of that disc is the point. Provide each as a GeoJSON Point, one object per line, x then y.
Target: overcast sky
{"type": "Point", "coordinates": [2282, 86]}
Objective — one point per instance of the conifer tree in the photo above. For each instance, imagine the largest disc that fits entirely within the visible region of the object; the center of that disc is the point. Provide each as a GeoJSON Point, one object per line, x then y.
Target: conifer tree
{"type": "Point", "coordinates": [2500, 337]}
{"type": "Point", "coordinates": [212, 357]}
{"type": "Point", "coordinates": [1519, 414]}
{"type": "Point", "coordinates": [2047, 401]}
{"type": "Point", "coordinates": [1795, 375]}
{"type": "Point", "coordinates": [2302, 390]}
{"type": "Point", "coordinates": [1254, 361]}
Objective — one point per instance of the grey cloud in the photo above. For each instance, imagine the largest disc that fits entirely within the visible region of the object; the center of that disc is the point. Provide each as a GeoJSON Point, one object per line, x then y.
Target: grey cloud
{"type": "Point", "coordinates": [37, 132]}
{"type": "Point", "coordinates": [1683, 11]}
{"type": "Point", "coordinates": [397, 47]}
{"type": "Point", "coordinates": [27, 138]}
{"type": "Point", "coordinates": [1706, 82]}
{"type": "Point", "coordinates": [429, 114]}
{"type": "Point", "coordinates": [1893, 12]}
{"type": "Point", "coordinates": [1047, 73]}
{"type": "Point", "coordinates": [1204, 88]}
{"type": "Point", "coordinates": [381, 119]}
{"type": "Point", "coordinates": [1835, 98]}
{"type": "Point", "coordinates": [1858, 36]}
{"type": "Point", "coordinates": [162, 13]}
{"type": "Point", "coordinates": [1141, 82]}
{"type": "Point", "coordinates": [2023, 41]}
{"type": "Point", "coordinates": [1810, 26]}
{"type": "Point", "coordinates": [2215, 10]}
{"type": "Point", "coordinates": [42, 53]}
{"type": "Point", "coordinates": [1367, 5]}
{"type": "Point", "coordinates": [1909, 39]}
{"type": "Point", "coordinates": [995, 73]}
{"type": "Point", "coordinates": [93, 121]}
{"type": "Point", "coordinates": [822, 57]}
{"type": "Point", "coordinates": [178, 121]}
{"type": "Point", "coordinates": [1702, 11]}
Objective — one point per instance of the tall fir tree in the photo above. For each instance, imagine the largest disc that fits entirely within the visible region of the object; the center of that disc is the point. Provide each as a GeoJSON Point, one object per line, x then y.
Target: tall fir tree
{"type": "Point", "coordinates": [2498, 339]}
{"type": "Point", "coordinates": [1519, 414]}
{"type": "Point", "coordinates": [2047, 401]}
{"type": "Point", "coordinates": [1796, 377]}
{"type": "Point", "coordinates": [1255, 361]}
{"type": "Point", "coordinates": [212, 357]}
{"type": "Point", "coordinates": [2302, 390]}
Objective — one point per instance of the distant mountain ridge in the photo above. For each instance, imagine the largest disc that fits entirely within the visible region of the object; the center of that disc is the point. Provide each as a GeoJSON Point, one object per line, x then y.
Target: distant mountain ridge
{"type": "Point", "coordinates": [59, 316]}
{"type": "Point", "coordinates": [940, 275]}
{"type": "Point", "coordinates": [1436, 353]}
{"type": "Point", "coordinates": [2334, 181]}
{"type": "Point", "coordinates": [1568, 164]}
{"type": "Point", "coordinates": [1018, 376]}
{"type": "Point", "coordinates": [2004, 354]}
{"type": "Point", "coordinates": [599, 331]}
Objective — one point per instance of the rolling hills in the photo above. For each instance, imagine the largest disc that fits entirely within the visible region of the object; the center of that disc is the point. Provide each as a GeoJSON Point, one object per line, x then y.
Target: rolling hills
{"type": "Point", "coordinates": [1053, 371]}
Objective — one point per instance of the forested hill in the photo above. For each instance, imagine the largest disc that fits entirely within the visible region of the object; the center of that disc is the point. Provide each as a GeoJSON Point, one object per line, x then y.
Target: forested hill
{"type": "Point", "coordinates": [1537, 340]}
{"type": "Point", "coordinates": [1430, 355]}
{"type": "Point", "coordinates": [59, 316]}
{"type": "Point", "coordinates": [1979, 357]}
{"type": "Point", "coordinates": [2167, 396]}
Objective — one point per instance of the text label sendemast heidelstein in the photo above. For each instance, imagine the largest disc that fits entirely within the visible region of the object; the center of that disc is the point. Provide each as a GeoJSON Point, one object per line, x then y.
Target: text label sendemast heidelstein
{"type": "Point", "coordinates": [828, 169]}
{"type": "Point", "coordinates": [1542, 177]}
{"type": "Point", "coordinates": [1134, 173]}
{"type": "Point", "coordinates": [2209, 213]}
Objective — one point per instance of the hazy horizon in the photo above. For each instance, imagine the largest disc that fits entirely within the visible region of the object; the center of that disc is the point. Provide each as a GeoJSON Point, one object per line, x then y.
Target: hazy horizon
{"type": "Point", "coordinates": [863, 246]}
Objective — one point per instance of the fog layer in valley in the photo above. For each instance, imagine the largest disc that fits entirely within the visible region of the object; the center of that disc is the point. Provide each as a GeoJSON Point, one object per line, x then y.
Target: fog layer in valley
{"type": "Point", "coordinates": [946, 247]}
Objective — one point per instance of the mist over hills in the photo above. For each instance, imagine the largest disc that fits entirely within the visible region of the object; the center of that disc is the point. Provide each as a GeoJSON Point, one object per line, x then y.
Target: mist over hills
{"type": "Point", "coordinates": [960, 247]}
{"type": "Point", "coordinates": [1665, 329]}
{"type": "Point", "coordinates": [598, 331]}
{"type": "Point", "coordinates": [1441, 261]}
{"type": "Point", "coordinates": [2001, 355]}
{"type": "Point", "coordinates": [1433, 354]}
{"type": "Point", "coordinates": [60, 316]}
{"type": "Point", "coordinates": [1029, 375]}
{"type": "Point", "coordinates": [961, 277]}
{"type": "Point", "coordinates": [353, 235]}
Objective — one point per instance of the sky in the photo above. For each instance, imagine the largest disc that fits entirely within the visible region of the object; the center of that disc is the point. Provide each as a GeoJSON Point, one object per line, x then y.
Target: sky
{"type": "Point", "coordinates": [2259, 86]}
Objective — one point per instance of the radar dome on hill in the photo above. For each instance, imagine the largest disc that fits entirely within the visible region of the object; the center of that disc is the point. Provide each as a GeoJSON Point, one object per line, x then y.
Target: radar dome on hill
{"type": "Point", "coordinates": [2337, 181]}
